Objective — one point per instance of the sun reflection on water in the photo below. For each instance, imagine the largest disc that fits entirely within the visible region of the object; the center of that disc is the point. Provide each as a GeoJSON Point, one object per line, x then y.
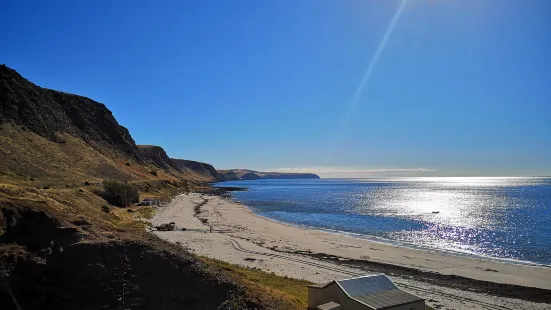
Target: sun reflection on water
{"type": "Point", "coordinates": [499, 217]}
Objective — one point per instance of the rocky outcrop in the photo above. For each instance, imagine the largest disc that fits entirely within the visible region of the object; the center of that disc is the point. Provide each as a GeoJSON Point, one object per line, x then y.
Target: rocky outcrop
{"type": "Point", "coordinates": [47, 112]}
{"type": "Point", "coordinates": [245, 174]}
{"type": "Point", "coordinates": [197, 168]}
{"type": "Point", "coordinates": [35, 229]}
{"type": "Point", "coordinates": [157, 156]}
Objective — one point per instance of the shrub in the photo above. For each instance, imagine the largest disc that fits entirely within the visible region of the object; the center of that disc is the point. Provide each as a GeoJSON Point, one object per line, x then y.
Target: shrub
{"type": "Point", "coordinates": [86, 183]}
{"type": "Point", "coordinates": [119, 193]}
{"type": "Point", "coordinates": [105, 209]}
{"type": "Point", "coordinates": [127, 163]}
{"type": "Point", "coordinates": [154, 172]}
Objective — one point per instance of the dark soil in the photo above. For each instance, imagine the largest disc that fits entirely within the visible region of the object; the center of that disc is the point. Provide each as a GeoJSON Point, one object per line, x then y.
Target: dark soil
{"type": "Point", "coordinates": [47, 266]}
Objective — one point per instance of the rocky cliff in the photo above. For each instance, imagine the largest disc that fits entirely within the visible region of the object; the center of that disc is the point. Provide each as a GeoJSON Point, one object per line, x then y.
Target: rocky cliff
{"type": "Point", "coordinates": [157, 156]}
{"type": "Point", "coordinates": [197, 168]}
{"type": "Point", "coordinates": [51, 135]}
{"type": "Point", "coordinates": [47, 112]}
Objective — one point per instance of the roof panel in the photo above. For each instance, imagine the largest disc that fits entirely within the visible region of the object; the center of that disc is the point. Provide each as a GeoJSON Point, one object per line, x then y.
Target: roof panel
{"type": "Point", "coordinates": [367, 285]}
{"type": "Point", "coordinates": [386, 299]}
{"type": "Point", "coordinates": [376, 291]}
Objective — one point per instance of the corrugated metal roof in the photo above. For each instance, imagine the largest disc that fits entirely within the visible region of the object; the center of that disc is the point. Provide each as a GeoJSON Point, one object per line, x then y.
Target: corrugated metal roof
{"type": "Point", "coordinates": [329, 306]}
{"type": "Point", "coordinates": [376, 291]}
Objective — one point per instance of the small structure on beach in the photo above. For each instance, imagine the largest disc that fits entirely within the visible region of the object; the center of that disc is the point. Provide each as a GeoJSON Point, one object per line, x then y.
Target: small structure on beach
{"type": "Point", "coordinates": [370, 292]}
{"type": "Point", "coordinates": [149, 202]}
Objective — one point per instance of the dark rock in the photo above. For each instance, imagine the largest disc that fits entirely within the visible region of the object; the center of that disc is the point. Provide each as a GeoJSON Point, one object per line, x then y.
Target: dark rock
{"type": "Point", "coordinates": [35, 229]}
{"type": "Point", "coordinates": [81, 222]}
{"type": "Point", "coordinates": [47, 112]}
{"type": "Point", "coordinates": [117, 275]}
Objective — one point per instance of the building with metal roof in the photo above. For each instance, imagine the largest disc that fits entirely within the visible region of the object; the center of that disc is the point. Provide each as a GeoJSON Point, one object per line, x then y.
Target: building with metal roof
{"type": "Point", "coordinates": [373, 292]}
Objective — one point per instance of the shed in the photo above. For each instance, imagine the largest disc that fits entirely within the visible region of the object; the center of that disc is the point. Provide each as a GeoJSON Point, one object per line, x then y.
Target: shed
{"type": "Point", "coordinates": [370, 292]}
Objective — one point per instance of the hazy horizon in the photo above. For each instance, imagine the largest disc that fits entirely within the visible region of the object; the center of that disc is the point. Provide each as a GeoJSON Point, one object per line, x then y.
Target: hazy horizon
{"type": "Point", "coordinates": [344, 88]}
{"type": "Point", "coordinates": [344, 173]}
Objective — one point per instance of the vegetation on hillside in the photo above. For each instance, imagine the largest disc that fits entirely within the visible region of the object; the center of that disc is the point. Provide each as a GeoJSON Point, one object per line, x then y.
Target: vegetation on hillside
{"type": "Point", "coordinates": [121, 194]}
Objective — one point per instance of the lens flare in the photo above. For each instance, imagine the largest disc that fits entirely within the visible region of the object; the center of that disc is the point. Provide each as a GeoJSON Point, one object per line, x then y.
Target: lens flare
{"type": "Point", "coordinates": [375, 58]}
{"type": "Point", "coordinates": [340, 131]}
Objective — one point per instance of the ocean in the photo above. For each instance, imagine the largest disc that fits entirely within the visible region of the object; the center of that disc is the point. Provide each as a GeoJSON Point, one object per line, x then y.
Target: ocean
{"type": "Point", "coordinates": [501, 218]}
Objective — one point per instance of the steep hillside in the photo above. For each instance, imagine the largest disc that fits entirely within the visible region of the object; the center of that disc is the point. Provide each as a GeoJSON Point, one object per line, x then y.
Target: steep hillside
{"type": "Point", "coordinates": [50, 136]}
{"type": "Point", "coordinates": [245, 174]}
{"type": "Point", "coordinates": [55, 137]}
{"type": "Point", "coordinates": [197, 169]}
{"type": "Point", "coordinates": [47, 112]}
{"type": "Point", "coordinates": [158, 157]}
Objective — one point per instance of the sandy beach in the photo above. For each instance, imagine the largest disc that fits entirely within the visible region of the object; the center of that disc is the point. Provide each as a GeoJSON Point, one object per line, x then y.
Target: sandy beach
{"type": "Point", "coordinates": [239, 236]}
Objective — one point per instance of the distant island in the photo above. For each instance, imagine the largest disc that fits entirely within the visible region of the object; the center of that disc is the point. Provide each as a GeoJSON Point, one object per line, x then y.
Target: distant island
{"type": "Point", "coordinates": [245, 174]}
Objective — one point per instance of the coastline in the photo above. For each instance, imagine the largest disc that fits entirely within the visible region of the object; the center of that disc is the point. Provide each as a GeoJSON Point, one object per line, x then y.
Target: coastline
{"type": "Point", "coordinates": [493, 270]}
{"type": "Point", "coordinates": [395, 243]}
{"type": "Point", "coordinates": [240, 236]}
{"type": "Point", "coordinates": [495, 230]}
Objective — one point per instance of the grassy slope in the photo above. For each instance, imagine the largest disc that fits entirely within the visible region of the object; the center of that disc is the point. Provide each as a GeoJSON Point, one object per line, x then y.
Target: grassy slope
{"type": "Point", "coordinates": [265, 288]}
{"type": "Point", "coordinates": [25, 154]}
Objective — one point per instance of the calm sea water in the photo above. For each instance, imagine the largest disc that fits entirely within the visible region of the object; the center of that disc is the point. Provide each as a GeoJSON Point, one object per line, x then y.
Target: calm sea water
{"type": "Point", "coordinates": [506, 218]}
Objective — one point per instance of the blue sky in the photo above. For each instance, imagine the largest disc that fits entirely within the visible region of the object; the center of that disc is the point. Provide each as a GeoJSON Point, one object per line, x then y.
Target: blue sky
{"type": "Point", "coordinates": [461, 88]}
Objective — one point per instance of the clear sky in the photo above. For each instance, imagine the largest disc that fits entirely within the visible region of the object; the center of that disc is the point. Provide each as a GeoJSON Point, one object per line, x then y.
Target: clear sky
{"type": "Point", "coordinates": [450, 88]}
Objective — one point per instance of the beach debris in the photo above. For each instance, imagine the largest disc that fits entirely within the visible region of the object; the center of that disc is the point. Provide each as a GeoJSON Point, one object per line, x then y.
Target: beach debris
{"type": "Point", "coordinates": [249, 259]}
{"type": "Point", "coordinates": [435, 212]}
{"type": "Point", "coordinates": [166, 227]}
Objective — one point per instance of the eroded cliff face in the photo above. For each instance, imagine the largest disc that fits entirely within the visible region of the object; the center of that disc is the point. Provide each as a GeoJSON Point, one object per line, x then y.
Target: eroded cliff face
{"type": "Point", "coordinates": [197, 168]}
{"type": "Point", "coordinates": [47, 112]}
{"type": "Point", "coordinates": [158, 157]}
{"type": "Point", "coordinates": [51, 135]}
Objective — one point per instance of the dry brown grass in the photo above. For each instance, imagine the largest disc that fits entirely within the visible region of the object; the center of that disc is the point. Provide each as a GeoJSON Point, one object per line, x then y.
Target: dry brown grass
{"type": "Point", "coordinates": [265, 288]}
{"type": "Point", "coordinates": [70, 161]}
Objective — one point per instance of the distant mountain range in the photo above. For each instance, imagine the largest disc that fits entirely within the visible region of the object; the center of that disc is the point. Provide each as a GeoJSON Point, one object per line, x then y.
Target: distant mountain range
{"type": "Point", "coordinates": [245, 174]}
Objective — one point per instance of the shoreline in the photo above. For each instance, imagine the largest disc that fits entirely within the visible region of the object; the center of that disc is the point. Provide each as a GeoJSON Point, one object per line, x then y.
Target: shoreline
{"type": "Point", "coordinates": [240, 236]}
{"type": "Point", "coordinates": [483, 260]}
{"type": "Point", "coordinates": [448, 251]}
{"type": "Point", "coordinates": [394, 243]}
